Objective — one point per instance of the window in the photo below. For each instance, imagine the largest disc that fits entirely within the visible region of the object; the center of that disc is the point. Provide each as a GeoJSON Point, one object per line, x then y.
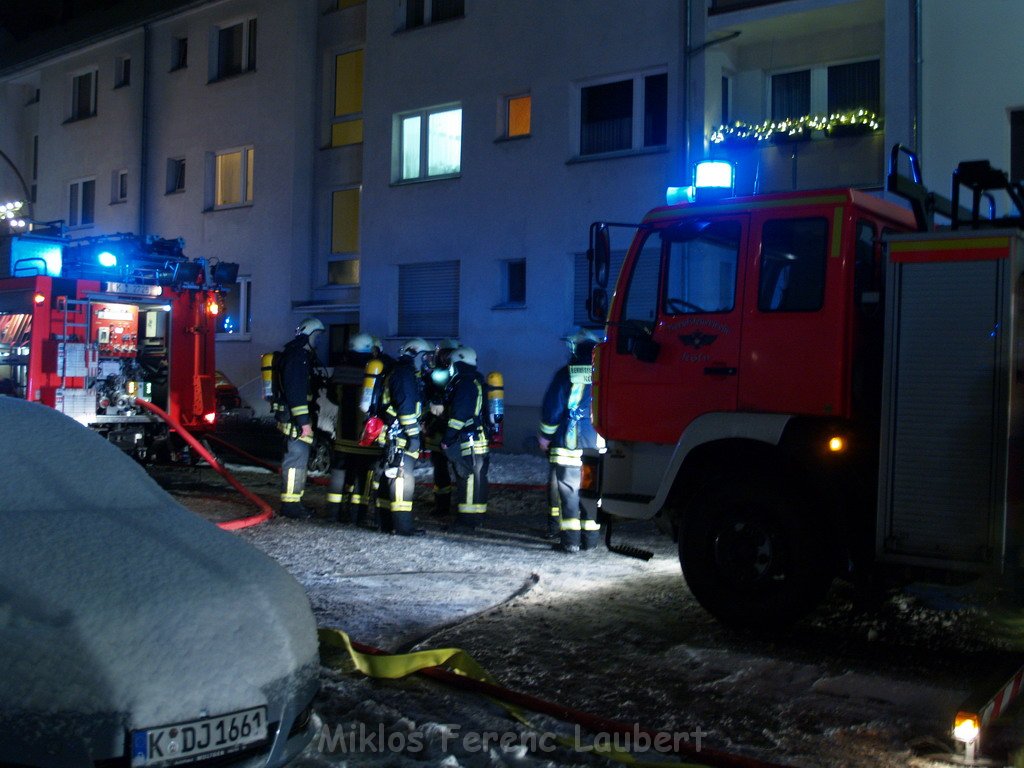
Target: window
{"type": "Point", "coordinates": [1017, 145]}
{"type": "Point", "coordinates": [345, 220]}
{"type": "Point", "coordinates": [854, 86]}
{"type": "Point", "coordinates": [419, 13]}
{"type": "Point", "coordinates": [429, 144]}
{"type": "Point", "coordinates": [517, 116]}
{"type": "Point", "coordinates": [82, 203]}
{"type": "Point", "coordinates": [343, 272]}
{"type": "Point", "coordinates": [233, 177]}
{"type": "Point", "coordinates": [83, 95]}
{"type": "Point", "coordinates": [513, 283]}
{"type": "Point", "coordinates": [337, 342]}
{"type": "Point", "coordinates": [428, 299]}
{"type": "Point", "coordinates": [347, 127]}
{"type": "Point", "coordinates": [122, 71]}
{"type": "Point", "coordinates": [623, 115]}
{"type": "Point", "coordinates": [179, 53]}
{"type": "Point", "coordinates": [826, 90]}
{"type": "Point", "coordinates": [793, 257]}
{"type": "Point", "coordinates": [235, 322]}
{"type": "Point", "coordinates": [700, 267]}
{"type": "Point", "coordinates": [175, 175]}
{"type": "Point", "coordinates": [119, 186]}
{"type": "Point", "coordinates": [235, 49]}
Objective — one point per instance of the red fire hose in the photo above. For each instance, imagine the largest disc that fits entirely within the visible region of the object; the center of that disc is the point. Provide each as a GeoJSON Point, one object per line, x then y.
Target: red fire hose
{"type": "Point", "coordinates": [266, 512]}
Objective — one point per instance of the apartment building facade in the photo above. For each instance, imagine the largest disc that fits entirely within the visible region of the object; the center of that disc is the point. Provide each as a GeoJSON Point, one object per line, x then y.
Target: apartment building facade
{"type": "Point", "coordinates": [431, 167]}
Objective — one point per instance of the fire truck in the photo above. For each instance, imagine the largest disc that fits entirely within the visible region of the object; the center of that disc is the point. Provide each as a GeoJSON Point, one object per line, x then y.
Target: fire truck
{"type": "Point", "coordinates": [816, 384]}
{"type": "Point", "coordinates": [90, 326]}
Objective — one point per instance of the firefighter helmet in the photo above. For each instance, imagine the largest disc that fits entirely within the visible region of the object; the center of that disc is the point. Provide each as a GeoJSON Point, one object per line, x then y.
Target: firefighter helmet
{"type": "Point", "coordinates": [415, 347]}
{"type": "Point", "coordinates": [465, 355]}
{"type": "Point", "coordinates": [309, 326]}
{"type": "Point", "coordinates": [361, 342]}
{"type": "Point", "coordinates": [580, 337]}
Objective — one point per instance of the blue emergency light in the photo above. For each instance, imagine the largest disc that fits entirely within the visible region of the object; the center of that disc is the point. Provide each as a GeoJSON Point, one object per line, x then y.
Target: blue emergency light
{"type": "Point", "coordinates": [106, 259]}
{"type": "Point", "coordinates": [716, 176]}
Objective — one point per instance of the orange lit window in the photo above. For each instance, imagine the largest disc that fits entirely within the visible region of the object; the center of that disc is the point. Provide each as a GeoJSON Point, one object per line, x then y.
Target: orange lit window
{"type": "Point", "coordinates": [518, 116]}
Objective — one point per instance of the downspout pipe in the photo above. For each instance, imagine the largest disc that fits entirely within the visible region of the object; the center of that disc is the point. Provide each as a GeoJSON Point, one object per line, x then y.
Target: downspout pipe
{"type": "Point", "coordinates": [144, 130]}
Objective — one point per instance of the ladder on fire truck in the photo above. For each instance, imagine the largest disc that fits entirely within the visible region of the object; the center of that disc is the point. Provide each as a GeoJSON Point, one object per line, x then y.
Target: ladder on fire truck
{"type": "Point", "coordinates": [72, 309]}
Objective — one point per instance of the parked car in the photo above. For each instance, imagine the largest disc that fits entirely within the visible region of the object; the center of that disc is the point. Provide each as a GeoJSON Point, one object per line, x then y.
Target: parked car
{"type": "Point", "coordinates": [134, 631]}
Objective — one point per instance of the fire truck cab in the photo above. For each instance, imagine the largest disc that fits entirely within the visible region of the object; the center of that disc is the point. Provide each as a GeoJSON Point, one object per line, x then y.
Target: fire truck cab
{"type": "Point", "coordinates": [90, 325]}
{"type": "Point", "coordinates": [809, 385]}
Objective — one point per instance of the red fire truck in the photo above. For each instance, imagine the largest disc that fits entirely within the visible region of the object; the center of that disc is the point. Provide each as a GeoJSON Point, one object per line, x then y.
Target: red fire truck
{"type": "Point", "coordinates": [90, 325]}
{"type": "Point", "coordinates": [815, 384]}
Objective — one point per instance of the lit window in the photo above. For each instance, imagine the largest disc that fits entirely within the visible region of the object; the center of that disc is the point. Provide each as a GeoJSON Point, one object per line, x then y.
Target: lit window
{"type": "Point", "coordinates": [83, 95]}
{"type": "Point", "coordinates": [119, 187]}
{"type": "Point", "coordinates": [236, 49]}
{"type": "Point", "coordinates": [233, 177]}
{"type": "Point", "coordinates": [179, 53]}
{"type": "Point", "coordinates": [175, 175]}
{"type": "Point", "coordinates": [420, 13]}
{"type": "Point", "coordinates": [429, 144]}
{"type": "Point", "coordinates": [345, 221]}
{"type": "Point", "coordinates": [348, 99]}
{"type": "Point", "coordinates": [624, 114]}
{"type": "Point", "coordinates": [122, 71]}
{"type": "Point", "coordinates": [517, 116]}
{"type": "Point", "coordinates": [235, 322]}
{"type": "Point", "coordinates": [82, 203]}
{"type": "Point", "coordinates": [1017, 145]}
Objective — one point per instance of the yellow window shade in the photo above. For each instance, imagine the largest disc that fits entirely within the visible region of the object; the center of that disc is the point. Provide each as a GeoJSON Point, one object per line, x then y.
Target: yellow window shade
{"type": "Point", "coordinates": [519, 116]}
{"type": "Point", "coordinates": [345, 221]}
{"type": "Point", "coordinates": [348, 132]}
{"type": "Point", "coordinates": [348, 83]}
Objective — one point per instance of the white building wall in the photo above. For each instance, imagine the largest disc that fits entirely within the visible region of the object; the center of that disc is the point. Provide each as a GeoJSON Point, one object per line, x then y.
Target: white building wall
{"type": "Point", "coordinates": [518, 199]}
{"type": "Point", "coordinates": [972, 76]}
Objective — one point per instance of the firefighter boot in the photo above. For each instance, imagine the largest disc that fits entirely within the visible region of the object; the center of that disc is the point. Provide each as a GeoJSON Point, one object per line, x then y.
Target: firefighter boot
{"type": "Point", "coordinates": [333, 511]}
{"type": "Point", "coordinates": [554, 524]}
{"type": "Point", "coordinates": [403, 524]}
{"type": "Point", "coordinates": [569, 537]}
{"type": "Point", "coordinates": [296, 510]}
{"type": "Point", "coordinates": [591, 538]}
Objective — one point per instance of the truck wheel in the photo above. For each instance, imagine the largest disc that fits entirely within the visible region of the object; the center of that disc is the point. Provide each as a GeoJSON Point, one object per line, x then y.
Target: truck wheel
{"type": "Point", "coordinates": [751, 555]}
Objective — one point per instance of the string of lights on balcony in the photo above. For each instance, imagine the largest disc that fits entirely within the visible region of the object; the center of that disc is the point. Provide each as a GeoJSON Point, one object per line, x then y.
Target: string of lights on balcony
{"type": "Point", "coordinates": [795, 127]}
{"type": "Point", "coordinates": [11, 213]}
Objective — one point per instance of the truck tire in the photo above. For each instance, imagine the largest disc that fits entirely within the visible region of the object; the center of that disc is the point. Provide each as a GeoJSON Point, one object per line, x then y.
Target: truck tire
{"type": "Point", "coordinates": [752, 555]}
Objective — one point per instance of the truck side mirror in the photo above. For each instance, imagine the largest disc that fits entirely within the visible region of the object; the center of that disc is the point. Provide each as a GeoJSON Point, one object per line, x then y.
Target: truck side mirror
{"type": "Point", "coordinates": [600, 254]}
{"type": "Point", "coordinates": [597, 305]}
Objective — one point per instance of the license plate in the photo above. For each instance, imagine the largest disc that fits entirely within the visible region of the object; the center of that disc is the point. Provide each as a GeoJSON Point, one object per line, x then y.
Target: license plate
{"type": "Point", "coordinates": [210, 737]}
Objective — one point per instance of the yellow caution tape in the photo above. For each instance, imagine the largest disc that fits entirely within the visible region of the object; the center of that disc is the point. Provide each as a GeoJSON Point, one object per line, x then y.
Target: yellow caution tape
{"type": "Point", "coordinates": [336, 652]}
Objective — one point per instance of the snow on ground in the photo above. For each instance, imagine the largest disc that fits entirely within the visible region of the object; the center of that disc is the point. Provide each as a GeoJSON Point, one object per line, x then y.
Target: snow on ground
{"type": "Point", "coordinates": [617, 637]}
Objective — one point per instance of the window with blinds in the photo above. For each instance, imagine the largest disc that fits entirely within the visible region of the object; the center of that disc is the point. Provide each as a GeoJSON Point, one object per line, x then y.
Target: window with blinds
{"type": "Point", "coordinates": [428, 299]}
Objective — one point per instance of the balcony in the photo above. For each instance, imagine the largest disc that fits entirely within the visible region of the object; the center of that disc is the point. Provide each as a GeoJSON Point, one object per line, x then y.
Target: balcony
{"type": "Point", "coordinates": [813, 163]}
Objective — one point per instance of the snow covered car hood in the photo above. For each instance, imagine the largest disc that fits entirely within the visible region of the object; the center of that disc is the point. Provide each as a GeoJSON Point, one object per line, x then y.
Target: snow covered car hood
{"type": "Point", "coordinates": [115, 601]}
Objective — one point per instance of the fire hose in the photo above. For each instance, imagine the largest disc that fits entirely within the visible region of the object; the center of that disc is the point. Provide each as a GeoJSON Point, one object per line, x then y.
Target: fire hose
{"type": "Point", "coordinates": [455, 668]}
{"type": "Point", "coordinates": [266, 512]}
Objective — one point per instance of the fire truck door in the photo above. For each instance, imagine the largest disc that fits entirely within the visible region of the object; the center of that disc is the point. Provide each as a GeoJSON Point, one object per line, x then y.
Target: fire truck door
{"type": "Point", "coordinates": [678, 339]}
{"type": "Point", "coordinates": [793, 333]}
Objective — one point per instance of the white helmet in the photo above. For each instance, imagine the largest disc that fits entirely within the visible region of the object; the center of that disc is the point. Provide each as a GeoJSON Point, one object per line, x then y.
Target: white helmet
{"type": "Point", "coordinates": [361, 342]}
{"type": "Point", "coordinates": [464, 355]}
{"type": "Point", "coordinates": [415, 347]}
{"type": "Point", "coordinates": [309, 326]}
{"type": "Point", "coordinates": [582, 336]}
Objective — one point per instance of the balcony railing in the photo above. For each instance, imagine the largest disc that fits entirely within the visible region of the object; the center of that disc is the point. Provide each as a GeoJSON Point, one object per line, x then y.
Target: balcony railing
{"type": "Point", "coordinates": [814, 163]}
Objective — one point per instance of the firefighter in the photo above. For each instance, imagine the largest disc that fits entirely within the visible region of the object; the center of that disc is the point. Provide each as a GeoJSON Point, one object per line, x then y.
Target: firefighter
{"type": "Point", "coordinates": [465, 439]}
{"type": "Point", "coordinates": [295, 406]}
{"type": "Point", "coordinates": [352, 464]}
{"type": "Point", "coordinates": [435, 422]}
{"type": "Point", "coordinates": [565, 430]}
{"type": "Point", "coordinates": [403, 407]}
